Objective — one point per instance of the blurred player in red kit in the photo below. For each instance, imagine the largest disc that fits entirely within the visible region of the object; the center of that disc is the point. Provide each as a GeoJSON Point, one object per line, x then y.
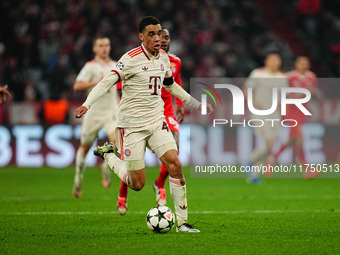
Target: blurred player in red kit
{"type": "Point", "coordinates": [301, 77]}
{"type": "Point", "coordinates": [173, 123]}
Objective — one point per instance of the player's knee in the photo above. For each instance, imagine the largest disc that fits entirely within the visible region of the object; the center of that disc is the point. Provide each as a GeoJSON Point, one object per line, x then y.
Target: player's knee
{"type": "Point", "coordinates": [175, 168]}
{"type": "Point", "coordinates": [138, 185]}
{"type": "Point", "coordinates": [84, 149]}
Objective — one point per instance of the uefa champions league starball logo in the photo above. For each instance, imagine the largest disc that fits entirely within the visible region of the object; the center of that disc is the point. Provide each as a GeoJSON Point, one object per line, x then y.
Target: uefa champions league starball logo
{"type": "Point", "coordinates": [120, 65]}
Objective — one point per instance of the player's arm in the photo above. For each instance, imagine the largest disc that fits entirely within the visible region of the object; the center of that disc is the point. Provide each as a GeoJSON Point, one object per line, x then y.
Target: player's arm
{"type": "Point", "coordinates": [83, 85]}
{"type": "Point", "coordinates": [98, 91]}
{"type": "Point", "coordinates": [179, 103]}
{"type": "Point", "coordinates": [177, 91]}
{"type": "Point", "coordinates": [85, 78]}
{"type": "Point", "coordinates": [4, 94]}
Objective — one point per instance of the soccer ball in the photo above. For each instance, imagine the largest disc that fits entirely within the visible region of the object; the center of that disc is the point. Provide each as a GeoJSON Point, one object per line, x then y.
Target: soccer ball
{"type": "Point", "coordinates": [160, 219]}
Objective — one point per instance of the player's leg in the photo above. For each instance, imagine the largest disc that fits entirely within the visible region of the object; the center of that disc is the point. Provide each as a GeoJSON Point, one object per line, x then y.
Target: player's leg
{"type": "Point", "coordinates": [256, 157]}
{"type": "Point", "coordinates": [122, 205]}
{"type": "Point", "coordinates": [301, 156]}
{"type": "Point", "coordinates": [269, 133]}
{"type": "Point", "coordinates": [293, 134]}
{"type": "Point", "coordinates": [299, 150]}
{"type": "Point", "coordinates": [178, 190]}
{"type": "Point", "coordinates": [131, 146]}
{"type": "Point", "coordinates": [158, 185]}
{"type": "Point", "coordinates": [105, 170]}
{"type": "Point", "coordinates": [80, 168]}
{"type": "Point", "coordinates": [135, 179]}
{"type": "Point", "coordinates": [283, 147]}
{"type": "Point", "coordinates": [162, 143]}
{"type": "Point", "coordinates": [86, 141]}
{"type": "Point", "coordinates": [109, 127]}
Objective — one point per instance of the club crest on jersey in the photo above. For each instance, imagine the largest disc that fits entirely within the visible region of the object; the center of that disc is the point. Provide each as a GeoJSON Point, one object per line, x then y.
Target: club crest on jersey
{"type": "Point", "coordinates": [120, 65]}
{"type": "Point", "coordinates": [162, 67]}
{"type": "Point", "coordinates": [127, 152]}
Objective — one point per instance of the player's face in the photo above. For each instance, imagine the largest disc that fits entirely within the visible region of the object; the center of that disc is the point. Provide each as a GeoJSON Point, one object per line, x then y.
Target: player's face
{"type": "Point", "coordinates": [165, 42]}
{"type": "Point", "coordinates": [273, 62]}
{"type": "Point", "coordinates": [151, 38]}
{"type": "Point", "coordinates": [302, 65]}
{"type": "Point", "coordinates": [102, 48]}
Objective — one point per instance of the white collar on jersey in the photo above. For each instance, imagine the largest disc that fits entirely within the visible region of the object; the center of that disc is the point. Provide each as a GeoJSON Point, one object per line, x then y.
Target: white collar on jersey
{"type": "Point", "coordinates": [147, 54]}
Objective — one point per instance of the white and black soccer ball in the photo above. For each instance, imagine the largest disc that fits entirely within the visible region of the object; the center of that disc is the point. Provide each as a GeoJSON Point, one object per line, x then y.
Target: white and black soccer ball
{"type": "Point", "coordinates": [160, 219]}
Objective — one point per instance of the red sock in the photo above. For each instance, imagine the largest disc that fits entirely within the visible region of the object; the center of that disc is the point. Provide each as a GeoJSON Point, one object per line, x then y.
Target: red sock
{"type": "Point", "coordinates": [300, 153]}
{"type": "Point", "coordinates": [163, 174]}
{"type": "Point", "coordinates": [283, 147]}
{"type": "Point", "coordinates": [123, 190]}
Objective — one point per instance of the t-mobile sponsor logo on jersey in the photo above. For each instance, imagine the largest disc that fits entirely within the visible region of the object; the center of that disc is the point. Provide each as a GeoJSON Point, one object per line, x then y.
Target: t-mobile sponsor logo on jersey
{"type": "Point", "coordinates": [155, 84]}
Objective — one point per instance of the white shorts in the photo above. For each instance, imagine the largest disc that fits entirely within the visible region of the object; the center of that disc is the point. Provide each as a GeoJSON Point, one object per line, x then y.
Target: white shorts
{"type": "Point", "coordinates": [132, 143]}
{"type": "Point", "coordinates": [90, 129]}
{"type": "Point", "coordinates": [270, 130]}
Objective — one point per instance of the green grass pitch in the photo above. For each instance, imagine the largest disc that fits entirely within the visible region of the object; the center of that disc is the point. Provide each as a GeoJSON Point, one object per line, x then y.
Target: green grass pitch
{"type": "Point", "coordinates": [38, 215]}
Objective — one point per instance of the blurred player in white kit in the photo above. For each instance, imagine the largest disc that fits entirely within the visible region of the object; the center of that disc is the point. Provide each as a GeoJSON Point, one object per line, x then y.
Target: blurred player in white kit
{"type": "Point", "coordinates": [101, 114]}
{"type": "Point", "coordinates": [263, 80]}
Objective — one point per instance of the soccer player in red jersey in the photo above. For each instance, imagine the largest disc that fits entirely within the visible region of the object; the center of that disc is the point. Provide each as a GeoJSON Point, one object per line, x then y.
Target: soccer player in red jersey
{"type": "Point", "coordinates": [301, 77]}
{"type": "Point", "coordinates": [173, 123]}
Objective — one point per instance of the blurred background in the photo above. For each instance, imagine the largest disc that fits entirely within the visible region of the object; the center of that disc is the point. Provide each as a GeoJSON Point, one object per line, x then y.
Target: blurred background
{"type": "Point", "coordinates": [44, 44]}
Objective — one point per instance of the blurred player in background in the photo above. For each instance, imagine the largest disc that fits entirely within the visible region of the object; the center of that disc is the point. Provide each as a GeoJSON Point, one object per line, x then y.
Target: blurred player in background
{"type": "Point", "coordinates": [263, 80]}
{"type": "Point", "coordinates": [172, 122]}
{"type": "Point", "coordinates": [101, 114]}
{"type": "Point", "coordinates": [301, 77]}
{"type": "Point", "coordinates": [4, 94]}
{"type": "Point", "coordinates": [141, 122]}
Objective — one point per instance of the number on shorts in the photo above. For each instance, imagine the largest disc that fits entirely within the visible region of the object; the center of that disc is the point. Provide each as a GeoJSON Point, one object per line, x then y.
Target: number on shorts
{"type": "Point", "coordinates": [172, 121]}
{"type": "Point", "coordinates": [165, 126]}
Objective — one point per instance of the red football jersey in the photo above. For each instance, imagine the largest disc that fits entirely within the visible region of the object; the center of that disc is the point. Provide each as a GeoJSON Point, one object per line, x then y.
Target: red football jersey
{"type": "Point", "coordinates": [176, 65]}
{"type": "Point", "coordinates": [297, 80]}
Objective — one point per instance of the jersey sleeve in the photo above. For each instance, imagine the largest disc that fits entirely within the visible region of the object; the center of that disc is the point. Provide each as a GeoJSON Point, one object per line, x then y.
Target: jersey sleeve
{"type": "Point", "coordinates": [168, 72]}
{"type": "Point", "coordinates": [121, 67]}
{"type": "Point", "coordinates": [101, 88]}
{"type": "Point", "coordinates": [85, 74]}
{"type": "Point", "coordinates": [251, 81]}
{"type": "Point", "coordinates": [178, 80]}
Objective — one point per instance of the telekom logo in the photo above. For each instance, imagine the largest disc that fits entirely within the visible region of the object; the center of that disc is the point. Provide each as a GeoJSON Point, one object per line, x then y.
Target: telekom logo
{"type": "Point", "coordinates": [238, 99]}
{"type": "Point", "coordinates": [156, 84]}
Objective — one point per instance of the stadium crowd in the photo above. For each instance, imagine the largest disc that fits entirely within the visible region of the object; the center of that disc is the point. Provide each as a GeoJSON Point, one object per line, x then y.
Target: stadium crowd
{"type": "Point", "coordinates": [319, 24]}
{"type": "Point", "coordinates": [47, 42]}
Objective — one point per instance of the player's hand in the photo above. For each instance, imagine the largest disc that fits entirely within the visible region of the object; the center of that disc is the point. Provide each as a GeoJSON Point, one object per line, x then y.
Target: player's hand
{"type": "Point", "coordinates": [210, 109]}
{"type": "Point", "coordinates": [80, 111]}
{"type": "Point", "coordinates": [180, 114]}
{"type": "Point", "coordinates": [4, 94]}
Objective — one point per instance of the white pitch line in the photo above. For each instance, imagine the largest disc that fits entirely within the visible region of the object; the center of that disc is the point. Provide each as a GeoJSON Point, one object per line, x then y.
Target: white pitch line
{"type": "Point", "coordinates": [250, 197]}
{"type": "Point", "coordinates": [190, 212]}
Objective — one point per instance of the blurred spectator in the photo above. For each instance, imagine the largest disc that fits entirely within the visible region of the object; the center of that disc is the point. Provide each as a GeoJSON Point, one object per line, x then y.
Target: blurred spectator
{"type": "Point", "coordinates": [309, 11]}
{"type": "Point", "coordinates": [58, 86]}
{"type": "Point", "coordinates": [213, 38]}
{"type": "Point", "coordinates": [55, 109]}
